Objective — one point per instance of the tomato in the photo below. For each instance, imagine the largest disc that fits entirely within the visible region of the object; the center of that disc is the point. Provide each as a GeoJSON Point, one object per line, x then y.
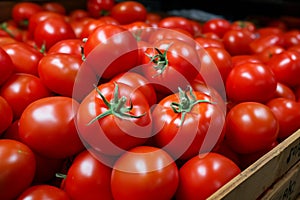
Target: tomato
{"type": "Point", "coordinates": [51, 118]}
{"type": "Point", "coordinates": [250, 82]}
{"type": "Point", "coordinates": [78, 14]}
{"type": "Point", "coordinates": [267, 53]}
{"type": "Point", "coordinates": [251, 127]}
{"type": "Point", "coordinates": [126, 12]}
{"type": "Point", "coordinates": [55, 7]}
{"type": "Point", "coordinates": [218, 26]}
{"type": "Point", "coordinates": [260, 43]}
{"type": "Point", "coordinates": [22, 89]}
{"type": "Point", "coordinates": [6, 66]}
{"type": "Point", "coordinates": [118, 117]}
{"type": "Point", "coordinates": [11, 30]}
{"type": "Point", "coordinates": [58, 72]}
{"type": "Point", "coordinates": [22, 11]}
{"type": "Point", "coordinates": [52, 30]}
{"type": "Point", "coordinates": [98, 8]}
{"type": "Point", "coordinates": [286, 67]}
{"type": "Point", "coordinates": [182, 124]}
{"type": "Point", "coordinates": [6, 115]}
{"type": "Point", "coordinates": [208, 42]}
{"type": "Point", "coordinates": [43, 192]}
{"type": "Point", "coordinates": [291, 38]}
{"type": "Point", "coordinates": [204, 174]}
{"type": "Point", "coordinates": [6, 40]}
{"type": "Point", "coordinates": [177, 22]}
{"type": "Point", "coordinates": [68, 46]}
{"type": "Point", "coordinates": [242, 59]}
{"type": "Point", "coordinates": [17, 168]}
{"type": "Point", "coordinates": [115, 45]}
{"type": "Point", "coordinates": [170, 60]}
{"type": "Point", "coordinates": [282, 90]}
{"type": "Point", "coordinates": [87, 178]}
{"type": "Point", "coordinates": [243, 25]}
{"type": "Point", "coordinates": [140, 30]}
{"type": "Point", "coordinates": [24, 57]}
{"type": "Point", "coordinates": [236, 42]}
{"type": "Point", "coordinates": [144, 172]}
{"type": "Point", "coordinates": [287, 112]}
{"type": "Point", "coordinates": [197, 28]}
{"type": "Point", "coordinates": [266, 31]}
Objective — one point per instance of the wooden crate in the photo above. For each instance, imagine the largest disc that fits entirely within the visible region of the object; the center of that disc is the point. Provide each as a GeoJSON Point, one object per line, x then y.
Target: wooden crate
{"type": "Point", "coordinates": [272, 173]}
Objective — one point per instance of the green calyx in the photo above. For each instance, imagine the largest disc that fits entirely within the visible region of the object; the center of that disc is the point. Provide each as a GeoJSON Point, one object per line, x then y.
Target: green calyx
{"type": "Point", "coordinates": [3, 27]}
{"type": "Point", "coordinates": [117, 106]}
{"type": "Point", "coordinates": [187, 101]}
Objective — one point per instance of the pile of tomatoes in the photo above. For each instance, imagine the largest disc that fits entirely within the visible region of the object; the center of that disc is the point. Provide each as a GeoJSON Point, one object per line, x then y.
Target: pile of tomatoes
{"type": "Point", "coordinates": [113, 101]}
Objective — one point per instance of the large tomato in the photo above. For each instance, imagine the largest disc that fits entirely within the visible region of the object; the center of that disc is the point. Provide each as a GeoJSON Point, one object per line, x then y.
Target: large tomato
{"type": "Point", "coordinates": [51, 118]}
{"type": "Point", "coordinates": [187, 123]}
{"type": "Point", "coordinates": [114, 117]}
{"type": "Point", "coordinates": [43, 192]}
{"type": "Point", "coordinates": [17, 168]}
{"type": "Point", "coordinates": [68, 46]}
{"type": "Point", "coordinates": [204, 174]}
{"type": "Point", "coordinates": [144, 172]}
{"type": "Point", "coordinates": [6, 115]}
{"type": "Point", "coordinates": [251, 127]}
{"type": "Point", "coordinates": [87, 178]}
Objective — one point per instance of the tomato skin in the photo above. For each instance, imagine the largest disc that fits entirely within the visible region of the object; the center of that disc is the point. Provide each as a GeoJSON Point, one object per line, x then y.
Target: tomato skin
{"type": "Point", "coordinates": [177, 22]}
{"type": "Point", "coordinates": [269, 52]}
{"type": "Point", "coordinates": [243, 25]}
{"type": "Point", "coordinates": [112, 134]}
{"type": "Point", "coordinates": [259, 84]}
{"type": "Point", "coordinates": [129, 181]}
{"type": "Point", "coordinates": [98, 8]}
{"type": "Point", "coordinates": [59, 71]}
{"type": "Point", "coordinates": [259, 44]}
{"type": "Point", "coordinates": [291, 38]}
{"type": "Point", "coordinates": [198, 178]}
{"type": "Point", "coordinates": [68, 46]}
{"type": "Point", "coordinates": [43, 192]}
{"type": "Point", "coordinates": [56, 124]}
{"type": "Point", "coordinates": [55, 7]}
{"type": "Point", "coordinates": [287, 112]}
{"type": "Point", "coordinates": [283, 90]}
{"type": "Point", "coordinates": [24, 57]}
{"type": "Point", "coordinates": [208, 42]}
{"type": "Point", "coordinates": [90, 184]}
{"type": "Point", "coordinates": [250, 127]}
{"type": "Point", "coordinates": [22, 89]}
{"type": "Point", "coordinates": [6, 66]}
{"type": "Point", "coordinates": [6, 115]}
{"type": "Point", "coordinates": [128, 11]}
{"type": "Point", "coordinates": [218, 26]}
{"type": "Point", "coordinates": [16, 158]}
{"type": "Point", "coordinates": [286, 67]}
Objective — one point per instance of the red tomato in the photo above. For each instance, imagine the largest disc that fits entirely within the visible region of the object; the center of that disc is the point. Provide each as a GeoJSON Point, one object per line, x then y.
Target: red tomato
{"type": "Point", "coordinates": [144, 172]}
{"type": "Point", "coordinates": [22, 11]}
{"type": "Point", "coordinates": [287, 112]}
{"type": "Point", "coordinates": [177, 22]}
{"type": "Point", "coordinates": [88, 179]}
{"type": "Point", "coordinates": [243, 25]}
{"type": "Point", "coordinates": [182, 124]}
{"type": "Point", "coordinates": [98, 8]}
{"type": "Point", "coordinates": [53, 118]}
{"type": "Point", "coordinates": [68, 46]}
{"type": "Point", "coordinates": [197, 28]}
{"type": "Point", "coordinates": [242, 59]}
{"type": "Point", "coordinates": [6, 115]}
{"type": "Point", "coordinates": [24, 57]}
{"type": "Point", "coordinates": [291, 38]}
{"type": "Point", "coordinates": [114, 43]}
{"type": "Point", "coordinates": [126, 12]}
{"type": "Point", "coordinates": [17, 168]}
{"type": "Point", "coordinates": [199, 177]}
{"type": "Point", "coordinates": [285, 91]}
{"type": "Point", "coordinates": [251, 127]}
{"type": "Point", "coordinates": [55, 7]}
{"type": "Point", "coordinates": [218, 26]}
{"type": "Point", "coordinates": [52, 30]}
{"type": "Point", "coordinates": [260, 43]}
{"type": "Point", "coordinates": [251, 82]}
{"type": "Point", "coordinates": [43, 192]}
{"type": "Point", "coordinates": [208, 42]}
{"type": "Point", "coordinates": [22, 89]}
{"type": "Point", "coordinates": [59, 71]}
{"type": "Point", "coordinates": [78, 14]}
{"type": "Point", "coordinates": [266, 31]}
{"type": "Point", "coordinates": [9, 29]}
{"type": "Point", "coordinates": [6, 66]}
{"type": "Point", "coordinates": [118, 117]}
{"type": "Point", "coordinates": [286, 67]}
{"type": "Point", "coordinates": [266, 54]}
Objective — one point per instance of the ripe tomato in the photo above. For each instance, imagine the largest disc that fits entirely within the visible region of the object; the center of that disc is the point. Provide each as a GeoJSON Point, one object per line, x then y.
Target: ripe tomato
{"type": "Point", "coordinates": [17, 168]}
{"type": "Point", "coordinates": [58, 72]}
{"type": "Point", "coordinates": [260, 43]}
{"type": "Point", "coordinates": [11, 30]}
{"type": "Point", "coordinates": [144, 172]}
{"type": "Point", "coordinates": [218, 26]}
{"type": "Point", "coordinates": [291, 38]}
{"type": "Point", "coordinates": [243, 25]}
{"type": "Point", "coordinates": [22, 89]}
{"type": "Point", "coordinates": [287, 112]}
{"type": "Point", "coordinates": [267, 53]}
{"type": "Point", "coordinates": [98, 8]}
{"type": "Point", "coordinates": [286, 67]}
{"type": "Point", "coordinates": [199, 177]}
{"type": "Point", "coordinates": [126, 12]}
{"type": "Point", "coordinates": [43, 192]}
{"type": "Point", "coordinates": [282, 90]}
{"type": "Point", "coordinates": [55, 7]}
{"type": "Point", "coordinates": [6, 66]}
{"type": "Point", "coordinates": [51, 118]}
{"type": "Point", "coordinates": [177, 22]}
{"type": "Point", "coordinates": [251, 127]}
{"type": "Point", "coordinates": [114, 117]}
{"type": "Point", "coordinates": [182, 124]}
{"type": "Point", "coordinates": [242, 59]}
{"type": "Point", "coordinates": [115, 45]}
{"type": "Point", "coordinates": [68, 46]}
{"type": "Point", "coordinates": [208, 42]}
{"type": "Point", "coordinates": [6, 115]}
{"type": "Point", "coordinates": [251, 82]}
{"type": "Point", "coordinates": [87, 178]}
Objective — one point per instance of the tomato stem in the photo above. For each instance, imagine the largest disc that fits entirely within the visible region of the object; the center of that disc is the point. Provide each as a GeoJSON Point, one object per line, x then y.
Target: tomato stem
{"type": "Point", "coordinates": [3, 26]}
{"type": "Point", "coordinates": [117, 106]}
{"type": "Point", "coordinates": [187, 102]}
